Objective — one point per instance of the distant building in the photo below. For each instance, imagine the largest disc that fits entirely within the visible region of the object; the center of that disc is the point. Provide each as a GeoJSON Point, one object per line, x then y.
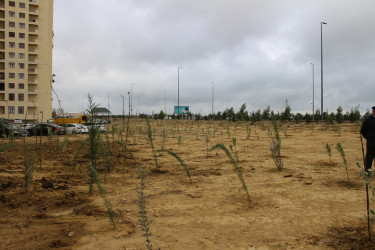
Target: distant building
{"type": "Point", "coordinates": [101, 111]}
{"type": "Point", "coordinates": [26, 33]}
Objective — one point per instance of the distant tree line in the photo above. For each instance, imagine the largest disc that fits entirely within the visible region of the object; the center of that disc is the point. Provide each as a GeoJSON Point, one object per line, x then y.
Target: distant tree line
{"type": "Point", "coordinates": [267, 114]}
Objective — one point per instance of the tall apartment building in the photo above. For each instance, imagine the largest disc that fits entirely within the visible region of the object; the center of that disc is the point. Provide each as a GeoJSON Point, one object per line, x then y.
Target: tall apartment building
{"type": "Point", "coordinates": [26, 33]}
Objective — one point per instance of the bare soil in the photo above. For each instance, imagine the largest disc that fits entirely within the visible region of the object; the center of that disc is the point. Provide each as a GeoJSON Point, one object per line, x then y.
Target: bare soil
{"type": "Point", "coordinates": [309, 204]}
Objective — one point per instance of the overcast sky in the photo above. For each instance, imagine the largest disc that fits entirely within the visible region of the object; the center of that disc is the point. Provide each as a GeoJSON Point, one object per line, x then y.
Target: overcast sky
{"type": "Point", "coordinates": [256, 52]}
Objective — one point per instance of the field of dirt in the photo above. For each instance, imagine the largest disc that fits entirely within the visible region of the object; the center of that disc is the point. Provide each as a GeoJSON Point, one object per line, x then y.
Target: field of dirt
{"type": "Point", "coordinates": [309, 204]}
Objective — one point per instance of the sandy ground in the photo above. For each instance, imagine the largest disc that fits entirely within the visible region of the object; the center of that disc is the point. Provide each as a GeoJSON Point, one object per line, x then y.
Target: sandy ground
{"type": "Point", "coordinates": [307, 205]}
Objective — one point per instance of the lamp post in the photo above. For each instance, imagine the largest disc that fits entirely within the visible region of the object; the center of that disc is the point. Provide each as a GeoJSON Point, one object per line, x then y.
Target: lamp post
{"type": "Point", "coordinates": [165, 102]}
{"type": "Point", "coordinates": [313, 91]}
{"type": "Point", "coordinates": [131, 98]}
{"type": "Point", "coordinates": [123, 111]}
{"type": "Point", "coordinates": [213, 87]}
{"type": "Point", "coordinates": [178, 91]}
{"type": "Point", "coordinates": [129, 103]}
{"type": "Point", "coordinates": [321, 66]}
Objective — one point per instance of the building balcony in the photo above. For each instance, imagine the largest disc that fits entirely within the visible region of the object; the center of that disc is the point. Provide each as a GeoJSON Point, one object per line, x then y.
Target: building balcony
{"type": "Point", "coordinates": [33, 21]}
{"type": "Point", "coordinates": [31, 81]}
{"type": "Point", "coordinates": [32, 103]}
{"type": "Point", "coordinates": [33, 39]}
{"type": "Point", "coordinates": [33, 2]}
{"type": "Point", "coordinates": [33, 30]}
{"type": "Point", "coordinates": [32, 71]}
{"type": "Point", "coordinates": [32, 89]}
{"type": "Point", "coordinates": [32, 52]}
{"type": "Point", "coordinates": [32, 59]}
{"type": "Point", "coordinates": [33, 11]}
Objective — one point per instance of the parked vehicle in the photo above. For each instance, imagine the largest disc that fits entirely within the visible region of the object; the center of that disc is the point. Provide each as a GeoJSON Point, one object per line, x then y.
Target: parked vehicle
{"type": "Point", "coordinates": [83, 129]}
{"type": "Point", "coordinates": [3, 121]}
{"type": "Point", "coordinates": [17, 132]}
{"type": "Point", "coordinates": [26, 126]}
{"type": "Point", "coordinates": [73, 118]}
{"type": "Point", "coordinates": [72, 128]}
{"type": "Point", "coordinates": [101, 127]}
{"type": "Point", "coordinates": [42, 129]}
{"type": "Point", "coordinates": [7, 130]}
{"type": "Point", "coordinates": [17, 121]}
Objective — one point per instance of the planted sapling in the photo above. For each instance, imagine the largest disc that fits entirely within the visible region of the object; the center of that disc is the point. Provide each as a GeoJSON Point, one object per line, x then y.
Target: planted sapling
{"type": "Point", "coordinates": [329, 151]}
{"type": "Point", "coordinates": [343, 156]}
{"type": "Point", "coordinates": [143, 219]}
{"type": "Point", "coordinates": [149, 136]}
{"type": "Point", "coordinates": [237, 168]}
{"type": "Point", "coordinates": [276, 145]}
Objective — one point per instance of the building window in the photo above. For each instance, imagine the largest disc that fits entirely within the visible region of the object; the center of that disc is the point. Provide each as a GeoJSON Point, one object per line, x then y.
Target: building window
{"type": "Point", "coordinates": [22, 5]}
{"type": "Point", "coordinates": [2, 86]}
{"type": "Point", "coordinates": [11, 85]}
{"type": "Point", "coordinates": [11, 109]}
{"type": "Point", "coordinates": [21, 86]}
{"type": "Point", "coordinates": [11, 75]}
{"type": "Point", "coordinates": [11, 97]}
{"type": "Point", "coordinates": [21, 65]}
{"type": "Point", "coordinates": [22, 25]}
{"type": "Point", "coordinates": [12, 14]}
{"type": "Point", "coordinates": [21, 75]}
{"type": "Point", "coordinates": [21, 45]}
{"type": "Point", "coordinates": [12, 55]}
{"type": "Point", "coordinates": [21, 110]}
{"type": "Point", "coordinates": [21, 35]}
{"type": "Point", "coordinates": [12, 44]}
{"type": "Point", "coordinates": [21, 97]}
{"type": "Point", "coordinates": [22, 15]}
{"type": "Point", "coordinates": [11, 65]}
{"type": "Point", "coordinates": [12, 4]}
{"type": "Point", "coordinates": [12, 34]}
{"type": "Point", "coordinates": [12, 24]}
{"type": "Point", "coordinates": [21, 55]}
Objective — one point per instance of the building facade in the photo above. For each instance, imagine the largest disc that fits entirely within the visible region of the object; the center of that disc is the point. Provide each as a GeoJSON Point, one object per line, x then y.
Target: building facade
{"type": "Point", "coordinates": [26, 33]}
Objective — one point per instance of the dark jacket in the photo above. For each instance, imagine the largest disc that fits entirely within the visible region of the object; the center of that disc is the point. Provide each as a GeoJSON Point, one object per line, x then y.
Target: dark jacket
{"type": "Point", "coordinates": [368, 131]}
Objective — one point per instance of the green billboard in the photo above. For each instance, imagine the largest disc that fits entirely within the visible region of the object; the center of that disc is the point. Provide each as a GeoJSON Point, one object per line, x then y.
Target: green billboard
{"type": "Point", "coordinates": [181, 110]}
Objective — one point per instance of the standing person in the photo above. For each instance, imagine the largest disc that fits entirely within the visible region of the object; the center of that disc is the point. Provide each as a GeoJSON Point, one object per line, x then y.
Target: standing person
{"type": "Point", "coordinates": [368, 132]}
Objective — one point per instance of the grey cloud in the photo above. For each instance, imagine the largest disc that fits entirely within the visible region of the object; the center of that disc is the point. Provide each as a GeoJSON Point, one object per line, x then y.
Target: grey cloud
{"type": "Point", "coordinates": [256, 52]}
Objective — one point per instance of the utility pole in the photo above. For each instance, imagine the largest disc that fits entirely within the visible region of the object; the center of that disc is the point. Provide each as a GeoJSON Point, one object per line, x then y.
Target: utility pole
{"type": "Point", "coordinates": [178, 91]}
{"type": "Point", "coordinates": [321, 66]}
{"type": "Point", "coordinates": [313, 91]}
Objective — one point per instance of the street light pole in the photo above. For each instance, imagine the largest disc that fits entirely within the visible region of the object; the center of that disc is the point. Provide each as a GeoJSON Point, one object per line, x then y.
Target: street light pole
{"type": "Point", "coordinates": [129, 102]}
{"type": "Point", "coordinates": [131, 98]}
{"type": "Point", "coordinates": [321, 66]}
{"type": "Point", "coordinates": [165, 102]}
{"type": "Point", "coordinates": [123, 111]}
{"type": "Point", "coordinates": [178, 91]}
{"type": "Point", "coordinates": [213, 87]}
{"type": "Point", "coordinates": [313, 91]}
